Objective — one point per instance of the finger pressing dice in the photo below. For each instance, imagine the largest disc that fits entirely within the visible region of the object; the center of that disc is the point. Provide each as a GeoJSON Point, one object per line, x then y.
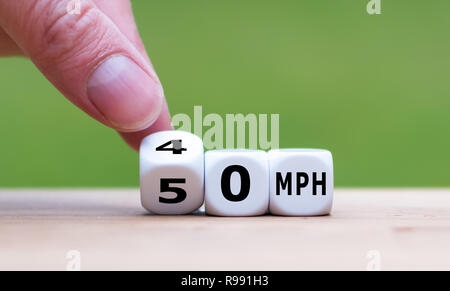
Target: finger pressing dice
{"type": "Point", "coordinates": [172, 172]}
{"type": "Point", "coordinates": [301, 182]}
{"type": "Point", "coordinates": [236, 182]}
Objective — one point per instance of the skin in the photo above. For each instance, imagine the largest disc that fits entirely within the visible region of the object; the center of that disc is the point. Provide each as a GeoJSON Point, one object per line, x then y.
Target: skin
{"type": "Point", "coordinates": [37, 29]}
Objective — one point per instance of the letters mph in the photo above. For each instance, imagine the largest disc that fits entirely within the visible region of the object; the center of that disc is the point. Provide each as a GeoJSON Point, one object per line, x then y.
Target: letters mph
{"type": "Point", "coordinates": [302, 180]}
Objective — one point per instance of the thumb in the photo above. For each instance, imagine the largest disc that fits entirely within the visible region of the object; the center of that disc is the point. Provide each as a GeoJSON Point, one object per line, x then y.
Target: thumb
{"type": "Point", "coordinates": [88, 59]}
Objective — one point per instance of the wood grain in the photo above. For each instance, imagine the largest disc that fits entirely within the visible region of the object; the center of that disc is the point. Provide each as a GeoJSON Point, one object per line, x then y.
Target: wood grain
{"type": "Point", "coordinates": [410, 228]}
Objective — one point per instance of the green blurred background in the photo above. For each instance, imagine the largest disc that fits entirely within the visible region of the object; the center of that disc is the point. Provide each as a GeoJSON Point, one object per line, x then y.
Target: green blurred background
{"type": "Point", "coordinates": [373, 89]}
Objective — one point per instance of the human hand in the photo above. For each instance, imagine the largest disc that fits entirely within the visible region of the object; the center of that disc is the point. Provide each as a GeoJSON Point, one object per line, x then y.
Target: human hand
{"type": "Point", "coordinates": [96, 58]}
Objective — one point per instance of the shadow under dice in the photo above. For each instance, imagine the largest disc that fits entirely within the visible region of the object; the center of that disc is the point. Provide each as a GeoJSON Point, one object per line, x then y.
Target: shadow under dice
{"type": "Point", "coordinates": [172, 172]}
{"type": "Point", "coordinates": [236, 182]}
{"type": "Point", "coordinates": [301, 182]}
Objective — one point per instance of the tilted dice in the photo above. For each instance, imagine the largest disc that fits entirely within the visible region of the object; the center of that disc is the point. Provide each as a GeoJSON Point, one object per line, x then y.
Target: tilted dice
{"type": "Point", "coordinates": [171, 170]}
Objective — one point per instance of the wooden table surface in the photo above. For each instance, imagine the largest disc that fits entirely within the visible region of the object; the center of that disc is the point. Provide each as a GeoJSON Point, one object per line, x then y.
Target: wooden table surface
{"type": "Point", "coordinates": [406, 228]}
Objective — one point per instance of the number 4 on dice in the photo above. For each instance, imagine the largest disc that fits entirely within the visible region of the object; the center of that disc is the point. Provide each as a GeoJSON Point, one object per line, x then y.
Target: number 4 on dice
{"type": "Point", "coordinates": [171, 170]}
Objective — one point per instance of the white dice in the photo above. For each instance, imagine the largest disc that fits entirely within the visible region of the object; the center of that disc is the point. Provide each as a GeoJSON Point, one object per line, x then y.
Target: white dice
{"type": "Point", "coordinates": [177, 177]}
{"type": "Point", "coordinates": [301, 182]}
{"type": "Point", "coordinates": [236, 182]}
{"type": "Point", "coordinates": [172, 172]}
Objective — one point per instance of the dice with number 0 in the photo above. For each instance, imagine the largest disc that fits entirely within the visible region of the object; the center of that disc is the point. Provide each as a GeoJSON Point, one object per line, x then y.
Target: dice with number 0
{"type": "Point", "coordinates": [236, 182]}
{"type": "Point", "coordinates": [172, 172]}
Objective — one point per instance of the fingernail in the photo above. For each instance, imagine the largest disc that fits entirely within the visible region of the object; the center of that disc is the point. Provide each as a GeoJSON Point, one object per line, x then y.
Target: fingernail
{"type": "Point", "coordinates": [126, 95]}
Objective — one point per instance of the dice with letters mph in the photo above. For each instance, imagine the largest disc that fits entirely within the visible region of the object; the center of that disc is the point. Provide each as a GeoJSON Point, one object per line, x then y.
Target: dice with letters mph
{"type": "Point", "coordinates": [172, 172]}
{"type": "Point", "coordinates": [301, 182]}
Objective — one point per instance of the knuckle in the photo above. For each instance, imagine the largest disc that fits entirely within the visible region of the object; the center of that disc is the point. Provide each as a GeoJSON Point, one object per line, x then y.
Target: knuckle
{"type": "Point", "coordinates": [64, 36]}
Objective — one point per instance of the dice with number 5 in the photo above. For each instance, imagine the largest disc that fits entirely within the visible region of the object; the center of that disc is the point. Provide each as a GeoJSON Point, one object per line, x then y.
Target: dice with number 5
{"type": "Point", "coordinates": [172, 172]}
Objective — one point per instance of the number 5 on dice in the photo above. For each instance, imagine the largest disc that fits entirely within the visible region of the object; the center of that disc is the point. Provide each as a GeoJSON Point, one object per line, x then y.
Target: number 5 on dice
{"type": "Point", "coordinates": [172, 172]}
